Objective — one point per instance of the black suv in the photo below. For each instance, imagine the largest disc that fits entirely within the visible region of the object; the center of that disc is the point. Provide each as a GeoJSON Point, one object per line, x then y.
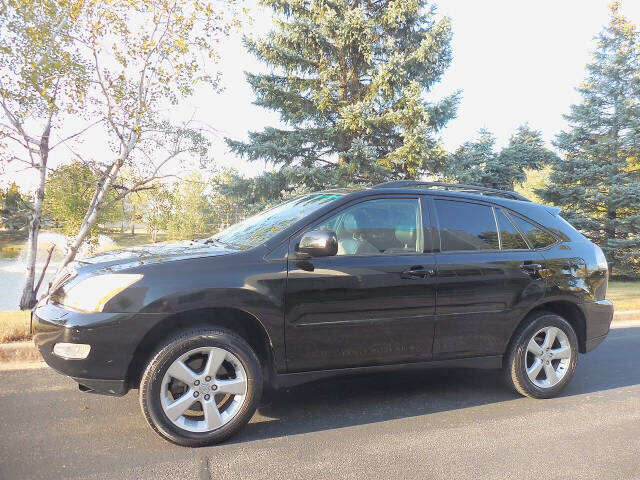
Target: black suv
{"type": "Point", "coordinates": [402, 275]}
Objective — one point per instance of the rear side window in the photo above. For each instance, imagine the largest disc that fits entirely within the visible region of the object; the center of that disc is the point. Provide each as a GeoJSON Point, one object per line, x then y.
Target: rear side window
{"type": "Point", "coordinates": [466, 226]}
{"type": "Point", "coordinates": [509, 234]}
{"type": "Point", "coordinates": [537, 237]}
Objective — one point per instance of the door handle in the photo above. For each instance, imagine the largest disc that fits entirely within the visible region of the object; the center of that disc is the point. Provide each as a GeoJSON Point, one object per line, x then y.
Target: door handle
{"type": "Point", "coordinates": [417, 272]}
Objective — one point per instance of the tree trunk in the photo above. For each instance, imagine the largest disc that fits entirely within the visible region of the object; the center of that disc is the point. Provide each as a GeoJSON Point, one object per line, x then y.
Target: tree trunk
{"type": "Point", "coordinates": [94, 210]}
{"type": "Point", "coordinates": [133, 221]}
{"type": "Point", "coordinates": [154, 235]}
{"type": "Point", "coordinates": [28, 298]}
{"type": "Point", "coordinates": [122, 218]}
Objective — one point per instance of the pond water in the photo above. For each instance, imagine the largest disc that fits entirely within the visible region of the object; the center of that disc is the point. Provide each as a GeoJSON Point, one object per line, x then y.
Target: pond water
{"type": "Point", "coordinates": [13, 265]}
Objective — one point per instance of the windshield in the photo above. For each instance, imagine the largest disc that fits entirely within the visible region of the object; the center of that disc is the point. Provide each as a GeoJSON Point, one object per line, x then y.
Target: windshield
{"type": "Point", "coordinates": [259, 228]}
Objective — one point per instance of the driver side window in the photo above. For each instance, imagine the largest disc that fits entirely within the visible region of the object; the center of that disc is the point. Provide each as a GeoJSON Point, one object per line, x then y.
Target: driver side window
{"type": "Point", "coordinates": [374, 227]}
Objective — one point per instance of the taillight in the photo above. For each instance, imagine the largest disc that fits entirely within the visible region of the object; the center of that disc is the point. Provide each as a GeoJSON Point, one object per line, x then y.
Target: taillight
{"type": "Point", "coordinates": [601, 260]}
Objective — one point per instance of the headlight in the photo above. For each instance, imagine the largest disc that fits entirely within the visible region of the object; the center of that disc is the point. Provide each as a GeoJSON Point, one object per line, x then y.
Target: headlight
{"type": "Point", "coordinates": [92, 294]}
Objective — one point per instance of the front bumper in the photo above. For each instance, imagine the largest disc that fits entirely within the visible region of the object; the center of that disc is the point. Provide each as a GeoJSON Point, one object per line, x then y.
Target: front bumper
{"type": "Point", "coordinates": [598, 317]}
{"type": "Point", "coordinates": [113, 338]}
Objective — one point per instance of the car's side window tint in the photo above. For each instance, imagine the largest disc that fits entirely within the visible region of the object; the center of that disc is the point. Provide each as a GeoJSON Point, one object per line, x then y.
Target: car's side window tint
{"type": "Point", "coordinates": [537, 238]}
{"type": "Point", "coordinates": [374, 227]}
{"type": "Point", "coordinates": [509, 234]}
{"type": "Point", "coordinates": [466, 226]}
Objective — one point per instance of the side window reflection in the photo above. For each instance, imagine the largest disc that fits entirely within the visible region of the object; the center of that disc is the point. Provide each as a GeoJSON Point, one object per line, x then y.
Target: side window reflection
{"type": "Point", "coordinates": [374, 227]}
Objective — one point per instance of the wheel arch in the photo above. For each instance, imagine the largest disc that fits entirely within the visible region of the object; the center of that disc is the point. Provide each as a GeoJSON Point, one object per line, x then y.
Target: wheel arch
{"type": "Point", "coordinates": [236, 320]}
{"type": "Point", "coordinates": [566, 309]}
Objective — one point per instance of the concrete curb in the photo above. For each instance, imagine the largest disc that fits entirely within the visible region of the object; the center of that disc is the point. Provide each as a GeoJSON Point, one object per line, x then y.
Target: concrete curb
{"type": "Point", "coordinates": [26, 352]}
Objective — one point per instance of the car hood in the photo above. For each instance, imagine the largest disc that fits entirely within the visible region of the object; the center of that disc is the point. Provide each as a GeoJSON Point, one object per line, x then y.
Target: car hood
{"type": "Point", "coordinates": [147, 254]}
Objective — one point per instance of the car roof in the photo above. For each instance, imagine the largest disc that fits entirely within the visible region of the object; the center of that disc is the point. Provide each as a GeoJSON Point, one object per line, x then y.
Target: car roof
{"type": "Point", "coordinates": [507, 198]}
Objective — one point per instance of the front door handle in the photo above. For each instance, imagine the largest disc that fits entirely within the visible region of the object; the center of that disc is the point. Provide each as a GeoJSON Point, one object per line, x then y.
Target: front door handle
{"type": "Point", "coordinates": [417, 272]}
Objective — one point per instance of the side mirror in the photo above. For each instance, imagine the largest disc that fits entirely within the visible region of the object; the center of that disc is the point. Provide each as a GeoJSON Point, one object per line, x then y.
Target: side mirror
{"type": "Point", "coordinates": [319, 243]}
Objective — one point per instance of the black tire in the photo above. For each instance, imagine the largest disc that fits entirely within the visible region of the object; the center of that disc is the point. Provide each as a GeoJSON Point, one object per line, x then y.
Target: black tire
{"type": "Point", "coordinates": [151, 385]}
{"type": "Point", "coordinates": [515, 365]}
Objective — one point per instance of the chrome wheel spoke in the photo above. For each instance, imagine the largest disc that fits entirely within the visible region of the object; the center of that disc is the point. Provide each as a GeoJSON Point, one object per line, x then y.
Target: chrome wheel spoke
{"type": "Point", "coordinates": [214, 361]}
{"type": "Point", "coordinates": [552, 376]}
{"type": "Point", "coordinates": [212, 418]}
{"type": "Point", "coordinates": [180, 371]}
{"type": "Point", "coordinates": [177, 408]}
{"type": "Point", "coordinates": [534, 348]}
{"type": "Point", "coordinates": [534, 369]}
{"type": "Point", "coordinates": [550, 337]}
{"type": "Point", "coordinates": [235, 386]}
{"type": "Point", "coordinates": [560, 353]}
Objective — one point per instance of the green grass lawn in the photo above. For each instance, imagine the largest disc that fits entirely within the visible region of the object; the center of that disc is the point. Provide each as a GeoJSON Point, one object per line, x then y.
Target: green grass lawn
{"type": "Point", "coordinates": [14, 326]}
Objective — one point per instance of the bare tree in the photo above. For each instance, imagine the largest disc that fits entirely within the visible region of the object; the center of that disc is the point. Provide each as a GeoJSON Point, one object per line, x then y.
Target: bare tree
{"type": "Point", "coordinates": [147, 56]}
{"type": "Point", "coordinates": [122, 66]}
{"type": "Point", "coordinates": [42, 76]}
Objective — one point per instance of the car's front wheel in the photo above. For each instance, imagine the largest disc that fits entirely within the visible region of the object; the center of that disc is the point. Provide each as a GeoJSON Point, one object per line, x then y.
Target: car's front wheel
{"type": "Point", "coordinates": [542, 356]}
{"type": "Point", "coordinates": [201, 387]}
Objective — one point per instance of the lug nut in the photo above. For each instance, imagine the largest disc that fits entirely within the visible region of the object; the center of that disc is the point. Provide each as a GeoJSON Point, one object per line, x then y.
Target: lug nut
{"type": "Point", "coordinates": [195, 394]}
{"type": "Point", "coordinates": [214, 387]}
{"type": "Point", "coordinates": [206, 379]}
{"type": "Point", "coordinates": [207, 397]}
{"type": "Point", "coordinates": [196, 383]}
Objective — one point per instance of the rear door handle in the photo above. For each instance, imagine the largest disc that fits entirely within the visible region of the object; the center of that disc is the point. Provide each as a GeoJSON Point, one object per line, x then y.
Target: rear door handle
{"type": "Point", "coordinates": [417, 272]}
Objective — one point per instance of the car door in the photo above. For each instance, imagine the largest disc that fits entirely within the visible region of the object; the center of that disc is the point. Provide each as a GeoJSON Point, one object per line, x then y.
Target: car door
{"type": "Point", "coordinates": [488, 278]}
{"type": "Point", "coordinates": [374, 302]}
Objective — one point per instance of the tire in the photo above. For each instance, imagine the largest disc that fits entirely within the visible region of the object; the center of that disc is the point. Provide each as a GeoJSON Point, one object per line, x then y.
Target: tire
{"type": "Point", "coordinates": [223, 401]}
{"type": "Point", "coordinates": [524, 359]}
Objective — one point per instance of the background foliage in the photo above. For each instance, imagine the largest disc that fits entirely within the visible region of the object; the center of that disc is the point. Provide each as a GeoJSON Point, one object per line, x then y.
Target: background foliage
{"type": "Point", "coordinates": [597, 179]}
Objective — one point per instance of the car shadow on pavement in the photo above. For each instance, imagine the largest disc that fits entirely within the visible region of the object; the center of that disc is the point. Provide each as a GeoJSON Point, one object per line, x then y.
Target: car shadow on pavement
{"type": "Point", "coordinates": [359, 400]}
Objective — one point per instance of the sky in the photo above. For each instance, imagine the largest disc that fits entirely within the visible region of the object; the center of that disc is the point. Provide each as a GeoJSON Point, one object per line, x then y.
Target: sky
{"type": "Point", "coordinates": [515, 61]}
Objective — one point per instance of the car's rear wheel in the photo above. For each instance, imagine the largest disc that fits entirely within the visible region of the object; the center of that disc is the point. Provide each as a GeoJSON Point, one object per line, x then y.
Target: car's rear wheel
{"type": "Point", "coordinates": [201, 387]}
{"type": "Point", "coordinates": [542, 356]}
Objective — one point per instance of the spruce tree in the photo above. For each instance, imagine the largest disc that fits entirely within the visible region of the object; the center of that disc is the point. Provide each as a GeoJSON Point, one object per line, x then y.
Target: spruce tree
{"type": "Point", "coordinates": [597, 181]}
{"type": "Point", "coordinates": [349, 80]}
{"type": "Point", "coordinates": [477, 162]}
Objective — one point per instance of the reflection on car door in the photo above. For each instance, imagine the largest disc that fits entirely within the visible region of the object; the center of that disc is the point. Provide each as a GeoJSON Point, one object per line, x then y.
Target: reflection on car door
{"type": "Point", "coordinates": [371, 304]}
{"type": "Point", "coordinates": [486, 281]}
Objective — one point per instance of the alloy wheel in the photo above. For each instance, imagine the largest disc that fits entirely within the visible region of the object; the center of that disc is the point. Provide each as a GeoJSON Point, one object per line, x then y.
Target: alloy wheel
{"type": "Point", "coordinates": [203, 389]}
{"type": "Point", "coordinates": [548, 357]}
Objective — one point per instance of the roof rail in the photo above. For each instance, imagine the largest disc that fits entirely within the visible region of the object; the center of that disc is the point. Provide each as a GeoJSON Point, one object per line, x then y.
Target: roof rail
{"type": "Point", "coordinates": [454, 186]}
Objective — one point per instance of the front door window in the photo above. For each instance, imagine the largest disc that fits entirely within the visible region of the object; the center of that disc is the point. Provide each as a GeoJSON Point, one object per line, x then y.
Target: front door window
{"type": "Point", "coordinates": [375, 227]}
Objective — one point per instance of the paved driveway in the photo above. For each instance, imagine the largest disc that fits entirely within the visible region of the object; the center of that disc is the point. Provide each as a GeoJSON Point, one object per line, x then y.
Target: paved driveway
{"type": "Point", "coordinates": [453, 424]}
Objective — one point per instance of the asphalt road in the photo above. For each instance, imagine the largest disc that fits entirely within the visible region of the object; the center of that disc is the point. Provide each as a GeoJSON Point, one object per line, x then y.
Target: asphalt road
{"type": "Point", "coordinates": [453, 424]}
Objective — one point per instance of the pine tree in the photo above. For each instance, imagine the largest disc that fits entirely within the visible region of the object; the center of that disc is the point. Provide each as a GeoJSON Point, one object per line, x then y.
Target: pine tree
{"type": "Point", "coordinates": [597, 181]}
{"type": "Point", "coordinates": [477, 162]}
{"type": "Point", "coordinates": [349, 80]}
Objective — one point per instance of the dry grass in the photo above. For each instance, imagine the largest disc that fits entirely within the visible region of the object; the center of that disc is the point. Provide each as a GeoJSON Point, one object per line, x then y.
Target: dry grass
{"type": "Point", "coordinates": [14, 326]}
{"type": "Point", "coordinates": [624, 295]}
